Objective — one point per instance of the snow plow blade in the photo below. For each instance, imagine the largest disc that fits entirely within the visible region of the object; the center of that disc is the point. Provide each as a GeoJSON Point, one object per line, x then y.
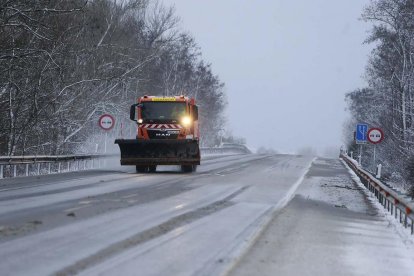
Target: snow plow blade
{"type": "Point", "coordinates": [159, 152]}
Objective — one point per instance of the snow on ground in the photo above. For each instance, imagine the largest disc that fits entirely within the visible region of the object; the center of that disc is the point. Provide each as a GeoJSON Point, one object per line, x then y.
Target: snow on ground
{"type": "Point", "coordinates": [51, 250]}
{"type": "Point", "coordinates": [177, 253]}
{"type": "Point", "coordinates": [200, 227]}
{"type": "Point", "coordinates": [330, 227]}
{"type": "Point", "coordinates": [215, 242]}
{"type": "Point", "coordinates": [103, 185]}
{"type": "Point", "coordinates": [404, 233]}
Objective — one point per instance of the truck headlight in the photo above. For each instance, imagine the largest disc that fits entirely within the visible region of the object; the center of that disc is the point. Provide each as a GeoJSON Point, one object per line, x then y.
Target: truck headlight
{"type": "Point", "coordinates": [186, 121]}
{"type": "Point", "coordinates": [140, 121]}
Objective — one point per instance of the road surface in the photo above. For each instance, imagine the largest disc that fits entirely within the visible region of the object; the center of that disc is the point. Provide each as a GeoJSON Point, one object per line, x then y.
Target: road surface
{"type": "Point", "coordinates": [330, 227]}
{"type": "Point", "coordinates": [212, 222]}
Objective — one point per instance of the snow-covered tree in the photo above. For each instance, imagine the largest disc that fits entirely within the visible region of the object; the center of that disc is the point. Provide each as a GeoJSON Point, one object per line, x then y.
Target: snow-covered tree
{"type": "Point", "coordinates": [64, 63]}
{"type": "Point", "coordinates": [388, 101]}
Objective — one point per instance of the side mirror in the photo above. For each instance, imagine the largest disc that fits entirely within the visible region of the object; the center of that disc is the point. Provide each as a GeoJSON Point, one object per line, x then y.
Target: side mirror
{"type": "Point", "coordinates": [132, 111]}
{"type": "Point", "coordinates": [195, 113]}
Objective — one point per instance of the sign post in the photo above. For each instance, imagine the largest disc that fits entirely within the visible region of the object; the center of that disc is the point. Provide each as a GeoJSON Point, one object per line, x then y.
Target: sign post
{"type": "Point", "coordinates": [361, 138]}
{"type": "Point", "coordinates": [106, 122]}
{"type": "Point", "coordinates": [375, 136]}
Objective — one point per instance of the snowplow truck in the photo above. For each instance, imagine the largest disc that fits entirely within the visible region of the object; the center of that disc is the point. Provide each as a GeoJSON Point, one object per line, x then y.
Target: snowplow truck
{"type": "Point", "coordinates": [167, 134]}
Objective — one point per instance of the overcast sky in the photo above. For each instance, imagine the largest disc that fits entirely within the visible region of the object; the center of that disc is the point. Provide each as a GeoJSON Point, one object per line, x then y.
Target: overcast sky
{"type": "Point", "coordinates": [286, 64]}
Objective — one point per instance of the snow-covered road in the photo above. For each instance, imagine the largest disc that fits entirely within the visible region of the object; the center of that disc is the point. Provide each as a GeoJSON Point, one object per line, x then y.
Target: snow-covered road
{"type": "Point", "coordinates": [229, 217]}
{"type": "Point", "coordinates": [331, 227]}
{"type": "Point", "coordinates": [167, 223]}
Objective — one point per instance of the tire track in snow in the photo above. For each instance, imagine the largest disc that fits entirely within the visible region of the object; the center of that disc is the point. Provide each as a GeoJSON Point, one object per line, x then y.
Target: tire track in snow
{"type": "Point", "coordinates": [150, 234]}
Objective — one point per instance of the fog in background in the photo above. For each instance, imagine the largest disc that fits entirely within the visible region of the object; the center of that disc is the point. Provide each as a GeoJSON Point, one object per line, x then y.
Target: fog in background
{"type": "Point", "coordinates": [286, 65]}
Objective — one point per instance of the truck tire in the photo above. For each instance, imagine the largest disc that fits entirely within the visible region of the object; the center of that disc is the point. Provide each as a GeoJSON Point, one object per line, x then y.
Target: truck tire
{"type": "Point", "coordinates": [141, 169]}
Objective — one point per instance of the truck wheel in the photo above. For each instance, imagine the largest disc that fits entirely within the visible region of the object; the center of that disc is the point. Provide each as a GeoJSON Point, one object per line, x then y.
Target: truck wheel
{"type": "Point", "coordinates": [152, 168]}
{"type": "Point", "coordinates": [141, 169]}
{"type": "Point", "coordinates": [187, 168]}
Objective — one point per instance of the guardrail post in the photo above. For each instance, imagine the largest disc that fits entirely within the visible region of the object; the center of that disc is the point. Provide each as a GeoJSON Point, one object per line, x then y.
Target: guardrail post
{"type": "Point", "coordinates": [378, 173]}
{"type": "Point", "coordinates": [27, 169]}
{"type": "Point", "coordinates": [84, 164]}
{"type": "Point", "coordinates": [68, 166]}
{"type": "Point", "coordinates": [50, 166]}
{"type": "Point", "coordinates": [15, 171]}
{"type": "Point", "coordinates": [38, 168]}
{"type": "Point", "coordinates": [59, 167]}
{"type": "Point", "coordinates": [1, 171]}
{"type": "Point", "coordinates": [405, 220]}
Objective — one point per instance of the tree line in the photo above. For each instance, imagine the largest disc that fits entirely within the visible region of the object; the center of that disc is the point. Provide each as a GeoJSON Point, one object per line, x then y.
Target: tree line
{"type": "Point", "coordinates": [388, 99]}
{"type": "Point", "coordinates": [65, 63]}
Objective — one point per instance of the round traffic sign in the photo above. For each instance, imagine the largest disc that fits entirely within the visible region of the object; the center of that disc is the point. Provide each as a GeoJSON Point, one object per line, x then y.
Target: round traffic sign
{"type": "Point", "coordinates": [106, 122]}
{"type": "Point", "coordinates": [375, 135]}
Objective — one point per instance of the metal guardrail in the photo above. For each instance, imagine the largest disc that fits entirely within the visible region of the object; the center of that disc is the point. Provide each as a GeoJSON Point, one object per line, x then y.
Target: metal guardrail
{"type": "Point", "coordinates": [399, 204]}
{"type": "Point", "coordinates": [13, 166]}
{"type": "Point", "coordinates": [241, 149]}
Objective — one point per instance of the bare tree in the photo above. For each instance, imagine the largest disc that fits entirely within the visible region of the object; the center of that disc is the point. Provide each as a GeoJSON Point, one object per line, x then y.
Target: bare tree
{"type": "Point", "coordinates": [389, 100]}
{"type": "Point", "coordinates": [64, 63]}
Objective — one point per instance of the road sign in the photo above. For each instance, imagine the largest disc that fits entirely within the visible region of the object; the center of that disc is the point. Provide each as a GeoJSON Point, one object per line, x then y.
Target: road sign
{"type": "Point", "coordinates": [106, 122]}
{"type": "Point", "coordinates": [375, 135]}
{"type": "Point", "coordinates": [361, 133]}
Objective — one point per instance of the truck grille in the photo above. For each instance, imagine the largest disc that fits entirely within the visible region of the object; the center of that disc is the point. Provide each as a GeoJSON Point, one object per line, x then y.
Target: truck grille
{"type": "Point", "coordinates": [163, 133]}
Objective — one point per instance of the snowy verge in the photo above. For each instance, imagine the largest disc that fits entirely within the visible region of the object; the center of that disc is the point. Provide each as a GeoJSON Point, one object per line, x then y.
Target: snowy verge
{"type": "Point", "coordinates": [399, 229]}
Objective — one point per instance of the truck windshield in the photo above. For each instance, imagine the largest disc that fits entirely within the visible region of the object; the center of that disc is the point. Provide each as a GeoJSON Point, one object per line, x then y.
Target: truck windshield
{"type": "Point", "coordinates": [163, 110]}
